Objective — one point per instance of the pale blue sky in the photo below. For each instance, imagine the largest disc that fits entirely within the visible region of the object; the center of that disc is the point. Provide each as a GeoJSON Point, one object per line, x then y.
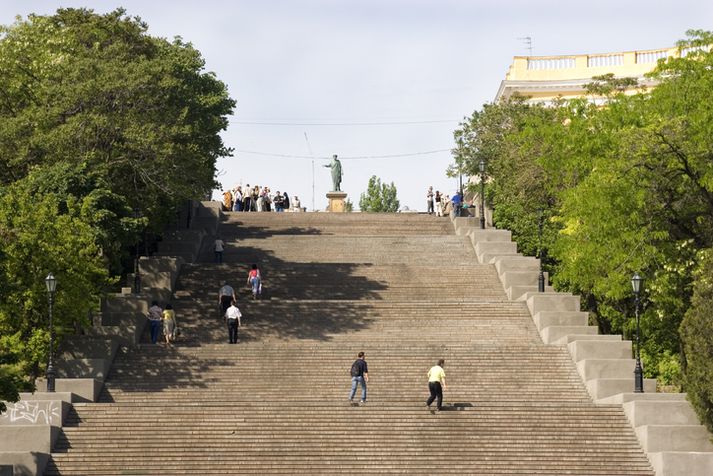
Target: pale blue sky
{"type": "Point", "coordinates": [319, 61]}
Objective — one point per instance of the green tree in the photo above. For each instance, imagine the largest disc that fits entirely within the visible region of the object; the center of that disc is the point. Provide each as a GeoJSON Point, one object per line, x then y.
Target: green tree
{"type": "Point", "coordinates": [379, 197]}
{"type": "Point", "coordinates": [39, 238]}
{"type": "Point", "coordinates": [96, 91]}
{"type": "Point", "coordinates": [697, 335]}
{"type": "Point", "coordinates": [97, 118]}
{"type": "Point", "coordinates": [624, 188]}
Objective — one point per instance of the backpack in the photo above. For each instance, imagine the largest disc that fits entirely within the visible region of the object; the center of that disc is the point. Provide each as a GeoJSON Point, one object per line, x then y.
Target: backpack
{"type": "Point", "coordinates": [355, 371]}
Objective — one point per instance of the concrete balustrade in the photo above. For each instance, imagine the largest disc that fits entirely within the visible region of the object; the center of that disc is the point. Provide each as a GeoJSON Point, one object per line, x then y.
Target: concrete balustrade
{"type": "Point", "coordinates": [656, 438]}
{"type": "Point", "coordinates": [545, 319]}
{"type": "Point", "coordinates": [552, 334]}
{"type": "Point", "coordinates": [29, 438]}
{"type": "Point", "coordinates": [537, 302]}
{"type": "Point", "coordinates": [605, 368]}
{"type": "Point", "coordinates": [593, 349]}
{"type": "Point", "coordinates": [487, 250]}
{"type": "Point", "coordinates": [22, 463]}
{"type": "Point", "coordinates": [689, 463]}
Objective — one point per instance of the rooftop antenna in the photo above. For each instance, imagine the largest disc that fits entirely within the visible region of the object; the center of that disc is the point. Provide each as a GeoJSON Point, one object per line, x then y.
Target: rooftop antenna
{"type": "Point", "coordinates": [309, 148]}
{"type": "Point", "coordinates": [528, 41]}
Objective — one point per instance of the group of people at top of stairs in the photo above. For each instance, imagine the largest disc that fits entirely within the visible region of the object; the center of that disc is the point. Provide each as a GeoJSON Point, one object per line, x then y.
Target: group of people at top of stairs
{"type": "Point", "coordinates": [359, 372]}
{"type": "Point", "coordinates": [258, 199]}
{"type": "Point", "coordinates": [442, 205]}
{"type": "Point", "coordinates": [162, 319]}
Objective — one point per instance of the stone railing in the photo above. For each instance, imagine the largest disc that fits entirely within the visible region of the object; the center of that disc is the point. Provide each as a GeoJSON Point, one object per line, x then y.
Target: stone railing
{"type": "Point", "coordinates": [665, 423]}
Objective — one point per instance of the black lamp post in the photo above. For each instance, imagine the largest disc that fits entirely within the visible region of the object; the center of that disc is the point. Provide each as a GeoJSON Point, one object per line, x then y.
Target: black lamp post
{"type": "Point", "coordinates": [51, 284]}
{"type": "Point", "coordinates": [541, 276]}
{"type": "Point", "coordinates": [137, 274]}
{"type": "Point", "coordinates": [636, 281]}
{"type": "Point", "coordinates": [460, 191]}
{"type": "Point", "coordinates": [481, 165]}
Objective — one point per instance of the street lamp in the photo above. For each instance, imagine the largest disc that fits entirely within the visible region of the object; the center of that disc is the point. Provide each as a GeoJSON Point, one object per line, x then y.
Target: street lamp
{"type": "Point", "coordinates": [636, 281]}
{"type": "Point", "coordinates": [481, 165]}
{"type": "Point", "coordinates": [51, 284]}
{"type": "Point", "coordinates": [137, 274]}
{"type": "Point", "coordinates": [541, 276]}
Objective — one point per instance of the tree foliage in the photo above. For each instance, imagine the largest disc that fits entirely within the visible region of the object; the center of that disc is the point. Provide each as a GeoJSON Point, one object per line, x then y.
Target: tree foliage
{"type": "Point", "coordinates": [97, 119]}
{"type": "Point", "coordinates": [623, 188]}
{"type": "Point", "coordinates": [697, 334]}
{"type": "Point", "coordinates": [379, 197]}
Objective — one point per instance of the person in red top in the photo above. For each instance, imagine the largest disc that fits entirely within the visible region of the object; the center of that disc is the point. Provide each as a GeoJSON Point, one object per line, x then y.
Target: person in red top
{"type": "Point", "coordinates": [255, 281]}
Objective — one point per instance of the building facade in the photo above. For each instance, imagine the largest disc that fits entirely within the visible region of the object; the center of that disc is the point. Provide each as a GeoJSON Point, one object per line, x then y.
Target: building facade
{"type": "Point", "coordinates": [545, 78]}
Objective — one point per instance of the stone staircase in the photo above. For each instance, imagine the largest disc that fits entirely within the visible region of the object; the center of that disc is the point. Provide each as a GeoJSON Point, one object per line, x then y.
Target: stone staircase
{"type": "Point", "coordinates": [405, 290]}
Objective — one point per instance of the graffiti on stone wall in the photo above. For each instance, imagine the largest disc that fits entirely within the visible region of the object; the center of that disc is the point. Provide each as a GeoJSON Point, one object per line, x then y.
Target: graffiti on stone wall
{"type": "Point", "coordinates": [32, 412]}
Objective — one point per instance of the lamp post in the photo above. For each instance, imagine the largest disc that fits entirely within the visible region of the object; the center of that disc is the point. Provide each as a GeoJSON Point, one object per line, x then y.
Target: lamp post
{"type": "Point", "coordinates": [137, 274]}
{"type": "Point", "coordinates": [636, 281]}
{"type": "Point", "coordinates": [541, 276]}
{"type": "Point", "coordinates": [51, 284]}
{"type": "Point", "coordinates": [481, 165]}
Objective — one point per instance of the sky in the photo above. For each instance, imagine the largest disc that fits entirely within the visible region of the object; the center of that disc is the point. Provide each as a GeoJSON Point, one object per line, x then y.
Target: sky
{"type": "Point", "coordinates": [381, 83]}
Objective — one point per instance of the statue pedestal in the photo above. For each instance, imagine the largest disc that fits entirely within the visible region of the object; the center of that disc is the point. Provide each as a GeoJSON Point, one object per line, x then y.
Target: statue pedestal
{"type": "Point", "coordinates": [336, 202]}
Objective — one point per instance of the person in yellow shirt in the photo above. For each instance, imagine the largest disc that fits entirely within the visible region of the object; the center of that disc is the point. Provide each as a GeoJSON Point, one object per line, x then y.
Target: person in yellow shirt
{"type": "Point", "coordinates": [436, 384]}
{"type": "Point", "coordinates": [169, 324]}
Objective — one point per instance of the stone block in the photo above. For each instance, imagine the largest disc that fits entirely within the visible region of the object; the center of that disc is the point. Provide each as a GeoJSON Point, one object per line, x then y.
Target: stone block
{"type": "Point", "coordinates": [24, 463]}
{"type": "Point", "coordinates": [621, 398]}
{"type": "Point", "coordinates": [124, 335]}
{"type": "Point", "coordinates": [493, 248]}
{"type": "Point", "coordinates": [655, 438]}
{"type": "Point", "coordinates": [160, 279]}
{"type": "Point", "coordinates": [566, 340]}
{"type": "Point", "coordinates": [160, 264]}
{"type": "Point", "coordinates": [560, 318]}
{"type": "Point", "coordinates": [463, 224]}
{"type": "Point", "coordinates": [600, 388]}
{"type": "Point", "coordinates": [552, 334]}
{"type": "Point", "coordinates": [521, 278]}
{"type": "Point", "coordinates": [123, 319]}
{"type": "Point", "coordinates": [118, 303]}
{"type": "Point", "coordinates": [84, 389]}
{"type": "Point", "coordinates": [520, 293]}
{"type": "Point", "coordinates": [84, 368]}
{"type": "Point", "coordinates": [652, 412]}
{"type": "Point", "coordinates": [606, 368]}
{"type": "Point", "coordinates": [31, 438]}
{"type": "Point", "coordinates": [78, 347]}
{"type": "Point", "coordinates": [594, 349]}
{"type": "Point", "coordinates": [520, 263]}
{"type": "Point", "coordinates": [41, 395]}
{"type": "Point", "coordinates": [489, 234]}
{"type": "Point", "coordinates": [35, 412]}
{"type": "Point", "coordinates": [538, 302]}
{"type": "Point", "coordinates": [161, 295]}
{"type": "Point", "coordinates": [673, 463]}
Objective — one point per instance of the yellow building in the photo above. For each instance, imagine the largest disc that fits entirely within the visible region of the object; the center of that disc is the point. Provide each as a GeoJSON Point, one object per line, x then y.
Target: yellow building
{"type": "Point", "coordinates": [545, 78]}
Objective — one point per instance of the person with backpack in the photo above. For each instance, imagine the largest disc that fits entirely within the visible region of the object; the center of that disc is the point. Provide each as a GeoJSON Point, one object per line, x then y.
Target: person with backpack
{"type": "Point", "coordinates": [360, 374]}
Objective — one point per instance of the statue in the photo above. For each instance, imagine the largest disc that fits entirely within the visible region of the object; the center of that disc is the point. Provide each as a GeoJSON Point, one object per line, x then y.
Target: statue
{"type": "Point", "coordinates": [336, 167]}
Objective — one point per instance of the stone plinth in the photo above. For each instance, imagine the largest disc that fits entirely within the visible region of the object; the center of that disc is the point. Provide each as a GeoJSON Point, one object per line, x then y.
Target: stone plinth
{"type": "Point", "coordinates": [336, 202]}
